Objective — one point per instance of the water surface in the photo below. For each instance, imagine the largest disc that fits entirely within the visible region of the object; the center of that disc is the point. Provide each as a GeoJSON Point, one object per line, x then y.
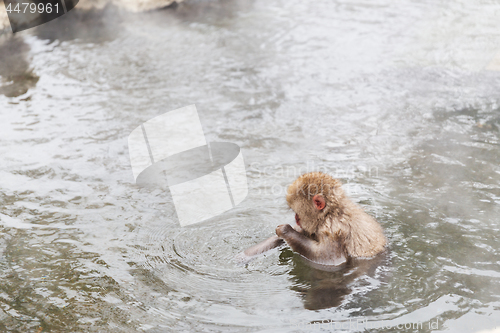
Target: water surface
{"type": "Point", "coordinates": [398, 100]}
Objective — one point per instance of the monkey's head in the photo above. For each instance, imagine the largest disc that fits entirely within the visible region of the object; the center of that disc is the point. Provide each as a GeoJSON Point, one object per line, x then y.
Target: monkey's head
{"type": "Point", "coordinates": [314, 196]}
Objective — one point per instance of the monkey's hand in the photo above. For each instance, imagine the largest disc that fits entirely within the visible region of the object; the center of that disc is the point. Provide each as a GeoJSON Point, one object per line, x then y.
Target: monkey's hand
{"type": "Point", "coordinates": [284, 229]}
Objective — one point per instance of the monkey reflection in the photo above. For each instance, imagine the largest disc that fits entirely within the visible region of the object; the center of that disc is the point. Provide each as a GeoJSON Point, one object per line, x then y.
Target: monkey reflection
{"type": "Point", "coordinates": [329, 229]}
{"type": "Point", "coordinates": [323, 287]}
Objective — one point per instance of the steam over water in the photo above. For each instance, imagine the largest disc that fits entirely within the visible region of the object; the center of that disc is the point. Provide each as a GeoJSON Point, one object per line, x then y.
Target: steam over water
{"type": "Point", "coordinates": [400, 100]}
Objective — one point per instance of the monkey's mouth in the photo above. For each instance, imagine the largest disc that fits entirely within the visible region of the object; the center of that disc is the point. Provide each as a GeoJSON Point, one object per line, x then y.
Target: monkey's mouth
{"type": "Point", "coordinates": [297, 220]}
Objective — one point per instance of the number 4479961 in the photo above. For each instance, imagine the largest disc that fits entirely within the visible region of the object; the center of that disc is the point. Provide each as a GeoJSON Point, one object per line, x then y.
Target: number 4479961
{"type": "Point", "coordinates": [32, 8]}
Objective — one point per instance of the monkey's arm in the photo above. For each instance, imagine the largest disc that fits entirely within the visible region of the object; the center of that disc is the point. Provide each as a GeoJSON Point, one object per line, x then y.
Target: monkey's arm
{"type": "Point", "coordinates": [269, 244]}
{"type": "Point", "coordinates": [324, 252]}
{"type": "Point", "coordinates": [264, 246]}
{"type": "Point", "coordinates": [247, 255]}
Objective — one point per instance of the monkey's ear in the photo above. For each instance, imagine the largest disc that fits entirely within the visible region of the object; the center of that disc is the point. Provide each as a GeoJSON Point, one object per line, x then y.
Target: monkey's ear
{"type": "Point", "coordinates": [319, 202]}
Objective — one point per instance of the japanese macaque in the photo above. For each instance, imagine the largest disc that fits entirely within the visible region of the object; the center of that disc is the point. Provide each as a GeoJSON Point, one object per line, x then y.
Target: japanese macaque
{"type": "Point", "coordinates": [330, 227]}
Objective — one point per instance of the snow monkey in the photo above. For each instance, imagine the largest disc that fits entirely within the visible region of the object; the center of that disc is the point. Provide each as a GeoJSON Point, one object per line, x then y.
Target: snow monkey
{"type": "Point", "coordinates": [330, 227]}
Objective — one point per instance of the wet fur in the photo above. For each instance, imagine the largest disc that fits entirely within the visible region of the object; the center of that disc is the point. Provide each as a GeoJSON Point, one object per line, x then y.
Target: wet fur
{"type": "Point", "coordinates": [341, 228]}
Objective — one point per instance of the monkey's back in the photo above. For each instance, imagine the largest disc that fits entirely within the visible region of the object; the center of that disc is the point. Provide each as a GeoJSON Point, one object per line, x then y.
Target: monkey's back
{"type": "Point", "coordinates": [361, 234]}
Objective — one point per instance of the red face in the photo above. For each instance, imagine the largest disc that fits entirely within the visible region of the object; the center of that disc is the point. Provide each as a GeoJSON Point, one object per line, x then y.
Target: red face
{"type": "Point", "coordinates": [297, 220]}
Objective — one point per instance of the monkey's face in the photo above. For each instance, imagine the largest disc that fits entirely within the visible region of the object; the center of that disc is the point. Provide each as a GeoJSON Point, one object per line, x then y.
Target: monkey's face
{"type": "Point", "coordinates": [312, 196]}
{"type": "Point", "coordinates": [307, 212]}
